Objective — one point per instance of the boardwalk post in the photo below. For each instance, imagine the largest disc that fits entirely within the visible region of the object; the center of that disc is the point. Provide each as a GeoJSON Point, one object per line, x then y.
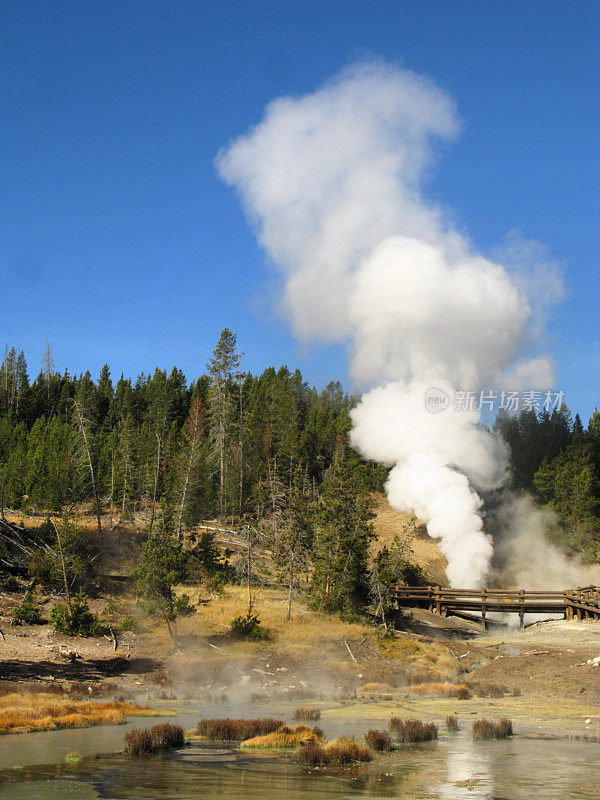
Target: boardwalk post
{"type": "Point", "coordinates": [483, 607]}
{"type": "Point", "coordinates": [578, 610]}
{"type": "Point", "coordinates": [569, 608]}
{"type": "Point", "coordinates": [522, 608]}
{"type": "Point", "coordinates": [438, 605]}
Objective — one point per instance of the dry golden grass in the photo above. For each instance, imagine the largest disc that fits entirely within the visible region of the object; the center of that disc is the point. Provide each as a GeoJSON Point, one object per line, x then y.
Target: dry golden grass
{"type": "Point", "coordinates": [23, 713]}
{"type": "Point", "coordinates": [377, 688]}
{"type": "Point", "coordinates": [306, 628]}
{"type": "Point", "coordinates": [286, 736]}
{"type": "Point", "coordinates": [441, 689]}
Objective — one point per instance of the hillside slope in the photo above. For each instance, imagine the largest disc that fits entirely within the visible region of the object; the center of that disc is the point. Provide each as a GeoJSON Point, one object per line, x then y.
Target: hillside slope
{"type": "Point", "coordinates": [420, 547]}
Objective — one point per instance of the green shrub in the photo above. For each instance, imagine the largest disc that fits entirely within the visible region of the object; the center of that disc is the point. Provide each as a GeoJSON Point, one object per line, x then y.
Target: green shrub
{"type": "Point", "coordinates": [75, 619]}
{"type": "Point", "coordinates": [248, 627]}
{"type": "Point", "coordinates": [128, 624]}
{"type": "Point", "coordinates": [183, 607]}
{"type": "Point", "coordinates": [27, 611]}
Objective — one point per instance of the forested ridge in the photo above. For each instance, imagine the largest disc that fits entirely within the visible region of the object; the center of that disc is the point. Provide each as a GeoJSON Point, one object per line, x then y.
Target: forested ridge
{"type": "Point", "coordinates": [227, 443]}
{"type": "Point", "coordinates": [233, 443]}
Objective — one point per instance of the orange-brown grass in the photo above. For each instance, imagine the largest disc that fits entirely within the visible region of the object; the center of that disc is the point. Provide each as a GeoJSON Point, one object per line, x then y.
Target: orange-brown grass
{"type": "Point", "coordinates": [457, 690]}
{"type": "Point", "coordinates": [338, 752]}
{"type": "Point", "coordinates": [237, 729]}
{"type": "Point", "coordinates": [346, 750]}
{"type": "Point", "coordinates": [377, 688]}
{"type": "Point", "coordinates": [23, 713]}
{"type": "Point", "coordinates": [286, 736]}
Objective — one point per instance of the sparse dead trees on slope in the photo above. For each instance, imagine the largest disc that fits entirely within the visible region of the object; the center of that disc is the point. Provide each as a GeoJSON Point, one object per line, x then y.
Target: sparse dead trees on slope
{"type": "Point", "coordinates": [293, 540]}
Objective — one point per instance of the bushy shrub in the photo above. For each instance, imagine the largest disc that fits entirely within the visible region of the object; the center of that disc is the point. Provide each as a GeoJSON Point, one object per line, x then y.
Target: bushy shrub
{"type": "Point", "coordinates": [378, 740]}
{"type": "Point", "coordinates": [128, 624]}
{"type": "Point", "coordinates": [412, 730]}
{"type": "Point", "coordinates": [237, 729]}
{"type": "Point", "coordinates": [312, 753]}
{"type": "Point", "coordinates": [75, 618]}
{"type": "Point", "coordinates": [248, 627]}
{"type": "Point", "coordinates": [166, 735]}
{"type": "Point", "coordinates": [183, 606]}
{"type": "Point", "coordinates": [27, 611]}
{"type": "Point", "coordinates": [307, 714]}
{"type": "Point", "coordinates": [487, 729]}
{"type": "Point", "coordinates": [145, 741]}
{"type": "Point", "coordinates": [452, 722]}
{"type": "Point", "coordinates": [138, 742]}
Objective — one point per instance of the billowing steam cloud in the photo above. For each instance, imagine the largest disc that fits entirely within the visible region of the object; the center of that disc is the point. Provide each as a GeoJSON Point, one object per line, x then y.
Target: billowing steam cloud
{"type": "Point", "coordinates": [332, 182]}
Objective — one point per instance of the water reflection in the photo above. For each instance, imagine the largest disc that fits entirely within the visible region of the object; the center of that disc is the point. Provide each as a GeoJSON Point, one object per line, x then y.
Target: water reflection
{"type": "Point", "coordinates": [453, 768]}
{"type": "Point", "coordinates": [469, 774]}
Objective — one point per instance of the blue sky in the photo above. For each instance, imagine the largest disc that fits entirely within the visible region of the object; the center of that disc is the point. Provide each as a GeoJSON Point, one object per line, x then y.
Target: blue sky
{"type": "Point", "coordinates": [120, 244]}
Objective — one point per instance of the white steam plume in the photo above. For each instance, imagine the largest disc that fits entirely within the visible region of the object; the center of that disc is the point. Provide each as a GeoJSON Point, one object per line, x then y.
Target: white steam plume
{"type": "Point", "coordinates": [332, 182]}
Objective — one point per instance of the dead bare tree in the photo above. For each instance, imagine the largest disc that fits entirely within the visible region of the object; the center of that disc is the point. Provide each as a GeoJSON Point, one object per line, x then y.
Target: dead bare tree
{"type": "Point", "coordinates": [193, 432]}
{"type": "Point", "coordinates": [81, 425]}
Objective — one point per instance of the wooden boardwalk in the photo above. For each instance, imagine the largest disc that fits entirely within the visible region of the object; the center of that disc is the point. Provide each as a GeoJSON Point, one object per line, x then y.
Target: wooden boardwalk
{"type": "Point", "coordinates": [581, 603]}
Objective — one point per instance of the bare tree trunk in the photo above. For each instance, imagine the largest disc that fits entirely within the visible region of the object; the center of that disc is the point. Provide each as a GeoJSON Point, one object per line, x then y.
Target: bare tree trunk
{"type": "Point", "coordinates": [290, 589]}
{"type": "Point", "coordinates": [194, 428]}
{"type": "Point", "coordinates": [112, 486]}
{"type": "Point", "coordinates": [242, 432]}
{"type": "Point", "coordinates": [62, 561]}
{"type": "Point", "coordinates": [156, 473]}
{"type": "Point", "coordinates": [81, 424]}
{"type": "Point", "coordinates": [249, 570]}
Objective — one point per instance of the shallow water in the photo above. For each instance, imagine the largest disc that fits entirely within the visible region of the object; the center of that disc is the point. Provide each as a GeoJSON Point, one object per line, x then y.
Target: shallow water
{"type": "Point", "coordinates": [453, 768]}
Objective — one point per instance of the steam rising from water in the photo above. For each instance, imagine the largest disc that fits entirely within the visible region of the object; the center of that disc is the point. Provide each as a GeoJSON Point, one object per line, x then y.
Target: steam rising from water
{"type": "Point", "coordinates": [332, 182]}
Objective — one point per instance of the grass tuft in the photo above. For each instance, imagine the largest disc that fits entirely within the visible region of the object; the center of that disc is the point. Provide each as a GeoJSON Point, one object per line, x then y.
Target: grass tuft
{"type": "Point", "coordinates": [311, 714]}
{"type": "Point", "coordinates": [286, 736]}
{"type": "Point", "coordinates": [237, 729]}
{"type": "Point", "coordinates": [378, 740]}
{"type": "Point", "coordinates": [487, 729]}
{"type": "Point", "coordinates": [451, 722]}
{"type": "Point", "coordinates": [145, 741]}
{"type": "Point", "coordinates": [412, 730]}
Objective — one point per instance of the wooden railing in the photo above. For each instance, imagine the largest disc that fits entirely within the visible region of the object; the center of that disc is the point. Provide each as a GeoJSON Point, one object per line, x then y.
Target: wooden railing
{"type": "Point", "coordinates": [580, 603]}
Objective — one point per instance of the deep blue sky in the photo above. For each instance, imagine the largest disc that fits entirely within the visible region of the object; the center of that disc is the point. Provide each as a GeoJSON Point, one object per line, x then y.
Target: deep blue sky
{"type": "Point", "coordinates": [119, 243]}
